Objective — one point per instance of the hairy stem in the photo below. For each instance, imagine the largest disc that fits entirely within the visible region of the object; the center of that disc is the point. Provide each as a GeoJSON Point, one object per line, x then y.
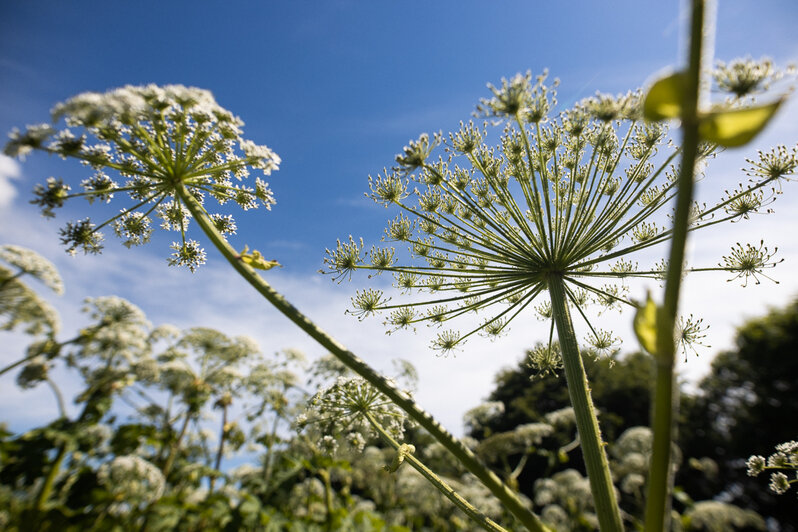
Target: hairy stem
{"type": "Point", "coordinates": [598, 470]}
{"type": "Point", "coordinates": [401, 399]}
{"type": "Point", "coordinates": [657, 517]}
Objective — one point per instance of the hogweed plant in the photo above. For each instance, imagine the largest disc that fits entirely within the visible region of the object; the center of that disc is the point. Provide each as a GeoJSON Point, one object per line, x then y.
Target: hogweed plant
{"type": "Point", "coordinates": [556, 214]}
{"type": "Point", "coordinates": [20, 306]}
{"type": "Point", "coordinates": [732, 123]}
{"type": "Point", "coordinates": [351, 412]}
{"type": "Point", "coordinates": [163, 152]}
{"type": "Point", "coordinates": [560, 207]}
{"type": "Point", "coordinates": [164, 143]}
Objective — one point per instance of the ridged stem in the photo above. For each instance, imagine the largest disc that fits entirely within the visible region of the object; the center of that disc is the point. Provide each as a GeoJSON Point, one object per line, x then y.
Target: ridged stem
{"type": "Point", "coordinates": [352, 361]}
{"type": "Point", "coordinates": [658, 501]}
{"type": "Point", "coordinates": [592, 446]}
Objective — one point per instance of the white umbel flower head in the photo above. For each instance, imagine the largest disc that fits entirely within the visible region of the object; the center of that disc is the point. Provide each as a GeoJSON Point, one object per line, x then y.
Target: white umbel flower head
{"type": "Point", "coordinates": [132, 481]}
{"type": "Point", "coordinates": [149, 148]}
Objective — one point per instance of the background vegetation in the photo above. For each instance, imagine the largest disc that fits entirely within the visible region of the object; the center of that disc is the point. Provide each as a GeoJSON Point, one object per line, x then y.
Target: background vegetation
{"type": "Point", "coordinates": [194, 430]}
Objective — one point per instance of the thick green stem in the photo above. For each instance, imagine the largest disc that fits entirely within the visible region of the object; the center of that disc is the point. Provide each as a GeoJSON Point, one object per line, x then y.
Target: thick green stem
{"type": "Point", "coordinates": [661, 476]}
{"type": "Point", "coordinates": [220, 450]}
{"type": "Point", "coordinates": [598, 470]}
{"type": "Point", "coordinates": [328, 497]}
{"type": "Point", "coordinates": [47, 486]}
{"type": "Point", "coordinates": [18, 363]}
{"type": "Point", "coordinates": [400, 398]}
{"type": "Point", "coordinates": [478, 517]}
{"type": "Point", "coordinates": [269, 458]}
{"type": "Point", "coordinates": [170, 460]}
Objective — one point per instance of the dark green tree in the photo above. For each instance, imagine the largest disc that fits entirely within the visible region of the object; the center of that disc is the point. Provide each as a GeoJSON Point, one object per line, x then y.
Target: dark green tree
{"type": "Point", "coordinates": [746, 405]}
{"type": "Point", "coordinates": [620, 389]}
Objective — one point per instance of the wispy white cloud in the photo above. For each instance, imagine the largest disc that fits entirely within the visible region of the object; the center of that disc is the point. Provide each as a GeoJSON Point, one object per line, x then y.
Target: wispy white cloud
{"type": "Point", "coordinates": [9, 170]}
{"type": "Point", "coordinates": [449, 386]}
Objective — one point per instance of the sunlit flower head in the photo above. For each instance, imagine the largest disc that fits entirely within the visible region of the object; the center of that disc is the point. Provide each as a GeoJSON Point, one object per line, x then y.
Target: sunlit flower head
{"type": "Point", "coordinates": [31, 263]}
{"type": "Point", "coordinates": [148, 144]}
{"type": "Point", "coordinates": [349, 408]}
{"type": "Point", "coordinates": [744, 77]}
{"type": "Point", "coordinates": [780, 464]}
{"type": "Point", "coordinates": [20, 305]}
{"type": "Point", "coordinates": [576, 196]}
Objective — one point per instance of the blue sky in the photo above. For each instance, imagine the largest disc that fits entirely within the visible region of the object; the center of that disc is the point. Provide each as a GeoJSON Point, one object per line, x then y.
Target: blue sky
{"type": "Point", "coordinates": [336, 88]}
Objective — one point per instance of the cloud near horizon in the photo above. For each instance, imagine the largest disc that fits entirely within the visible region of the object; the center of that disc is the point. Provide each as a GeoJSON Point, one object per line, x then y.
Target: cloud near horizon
{"type": "Point", "coordinates": [448, 386]}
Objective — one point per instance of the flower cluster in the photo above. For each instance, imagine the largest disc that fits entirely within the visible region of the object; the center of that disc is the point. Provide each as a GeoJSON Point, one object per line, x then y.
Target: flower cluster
{"type": "Point", "coordinates": [21, 305]}
{"type": "Point", "coordinates": [31, 263]}
{"type": "Point", "coordinates": [522, 439]}
{"type": "Point", "coordinates": [565, 499]}
{"type": "Point", "coordinates": [744, 77]}
{"type": "Point", "coordinates": [350, 408]}
{"type": "Point", "coordinates": [205, 363]}
{"type": "Point", "coordinates": [784, 459]}
{"type": "Point", "coordinates": [631, 458]}
{"type": "Point", "coordinates": [717, 515]}
{"type": "Point", "coordinates": [568, 197]}
{"type": "Point", "coordinates": [479, 416]}
{"type": "Point", "coordinates": [154, 145]}
{"type": "Point", "coordinates": [133, 482]}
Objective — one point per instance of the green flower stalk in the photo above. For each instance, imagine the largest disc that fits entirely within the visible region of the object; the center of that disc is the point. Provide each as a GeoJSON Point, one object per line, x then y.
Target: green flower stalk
{"type": "Point", "coordinates": [734, 123]}
{"type": "Point", "coordinates": [354, 411]}
{"type": "Point", "coordinates": [554, 212]}
{"type": "Point", "coordinates": [166, 150]}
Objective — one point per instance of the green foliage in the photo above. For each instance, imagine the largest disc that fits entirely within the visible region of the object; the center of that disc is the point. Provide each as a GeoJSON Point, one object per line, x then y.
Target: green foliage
{"type": "Point", "coordinates": [525, 432]}
{"type": "Point", "coordinates": [746, 406]}
{"type": "Point", "coordinates": [158, 467]}
{"type": "Point", "coordinates": [620, 390]}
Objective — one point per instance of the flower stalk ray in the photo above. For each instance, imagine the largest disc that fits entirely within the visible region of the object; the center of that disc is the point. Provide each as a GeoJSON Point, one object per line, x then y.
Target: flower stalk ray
{"type": "Point", "coordinates": [488, 224]}
{"type": "Point", "coordinates": [558, 206]}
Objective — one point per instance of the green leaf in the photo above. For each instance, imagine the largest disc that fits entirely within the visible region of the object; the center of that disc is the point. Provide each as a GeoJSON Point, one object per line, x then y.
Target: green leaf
{"type": "Point", "coordinates": [736, 127]}
{"type": "Point", "coordinates": [664, 99]}
{"type": "Point", "coordinates": [645, 325]}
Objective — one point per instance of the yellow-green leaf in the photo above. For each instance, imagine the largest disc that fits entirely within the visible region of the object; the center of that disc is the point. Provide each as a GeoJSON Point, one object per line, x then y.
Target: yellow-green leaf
{"type": "Point", "coordinates": [736, 127]}
{"type": "Point", "coordinates": [256, 260]}
{"type": "Point", "coordinates": [645, 325]}
{"type": "Point", "coordinates": [664, 99]}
